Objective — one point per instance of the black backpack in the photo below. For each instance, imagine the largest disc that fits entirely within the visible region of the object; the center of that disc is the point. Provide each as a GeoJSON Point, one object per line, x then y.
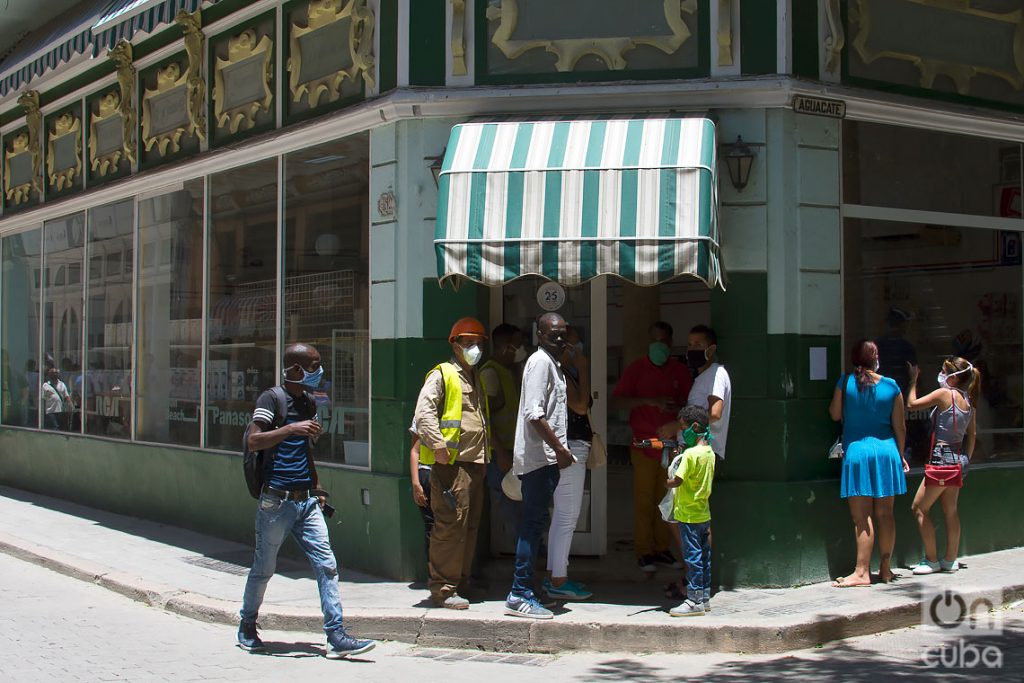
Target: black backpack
{"type": "Point", "coordinates": [255, 465]}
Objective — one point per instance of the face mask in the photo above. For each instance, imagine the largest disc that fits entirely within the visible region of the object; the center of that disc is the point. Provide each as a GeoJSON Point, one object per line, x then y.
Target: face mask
{"type": "Point", "coordinates": [471, 354]}
{"type": "Point", "coordinates": [690, 437]}
{"type": "Point", "coordinates": [520, 355]}
{"type": "Point", "coordinates": [696, 358]}
{"type": "Point", "coordinates": [309, 379]}
{"type": "Point", "coordinates": [942, 377]}
{"type": "Point", "coordinates": [658, 353]}
{"type": "Point", "coordinates": [875, 366]}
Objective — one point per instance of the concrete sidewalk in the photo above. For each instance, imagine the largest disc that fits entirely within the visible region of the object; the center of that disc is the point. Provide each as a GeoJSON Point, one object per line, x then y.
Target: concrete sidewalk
{"type": "Point", "coordinates": [202, 577]}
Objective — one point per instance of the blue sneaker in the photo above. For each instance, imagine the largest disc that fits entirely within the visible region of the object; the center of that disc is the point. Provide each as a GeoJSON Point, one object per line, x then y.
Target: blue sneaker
{"type": "Point", "coordinates": [248, 638]}
{"type": "Point", "coordinates": [570, 590]}
{"type": "Point", "coordinates": [341, 645]}
{"type": "Point", "coordinates": [516, 606]}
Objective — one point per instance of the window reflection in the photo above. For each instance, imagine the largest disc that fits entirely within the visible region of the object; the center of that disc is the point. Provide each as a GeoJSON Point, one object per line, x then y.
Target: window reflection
{"type": "Point", "coordinates": [326, 297]}
{"type": "Point", "coordinates": [109, 324]}
{"type": "Point", "coordinates": [170, 284]}
{"type": "Point", "coordinates": [61, 389]}
{"type": "Point", "coordinates": [19, 331]}
{"type": "Point", "coordinates": [242, 324]}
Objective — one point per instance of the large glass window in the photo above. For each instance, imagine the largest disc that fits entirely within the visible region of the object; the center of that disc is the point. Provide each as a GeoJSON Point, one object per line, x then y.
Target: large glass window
{"type": "Point", "coordinates": [170, 282]}
{"type": "Point", "coordinates": [926, 291]}
{"type": "Point", "coordinates": [242, 328]}
{"type": "Point", "coordinates": [109, 332]}
{"type": "Point", "coordinates": [61, 389]}
{"type": "Point", "coordinates": [327, 286]}
{"type": "Point", "coordinates": [19, 331]}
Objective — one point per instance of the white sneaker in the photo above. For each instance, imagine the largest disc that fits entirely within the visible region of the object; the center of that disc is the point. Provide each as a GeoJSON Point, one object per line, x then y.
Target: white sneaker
{"type": "Point", "coordinates": [687, 609]}
{"type": "Point", "coordinates": [949, 566]}
{"type": "Point", "coordinates": [926, 567]}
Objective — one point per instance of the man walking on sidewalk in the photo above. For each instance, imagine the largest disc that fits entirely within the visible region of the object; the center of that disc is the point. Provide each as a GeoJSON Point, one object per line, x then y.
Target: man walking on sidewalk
{"type": "Point", "coordinates": [541, 450]}
{"type": "Point", "coordinates": [451, 420]}
{"type": "Point", "coordinates": [291, 500]}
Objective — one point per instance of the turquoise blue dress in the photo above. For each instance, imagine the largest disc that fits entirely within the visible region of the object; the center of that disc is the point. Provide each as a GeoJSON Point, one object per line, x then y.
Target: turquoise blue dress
{"type": "Point", "coordinates": [871, 465]}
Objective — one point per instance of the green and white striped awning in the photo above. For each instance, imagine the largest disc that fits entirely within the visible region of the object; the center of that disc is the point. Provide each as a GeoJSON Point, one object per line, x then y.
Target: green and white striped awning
{"type": "Point", "coordinates": [572, 200]}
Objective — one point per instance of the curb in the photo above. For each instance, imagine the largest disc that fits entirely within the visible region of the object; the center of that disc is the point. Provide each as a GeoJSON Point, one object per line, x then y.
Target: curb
{"type": "Point", "coordinates": [445, 629]}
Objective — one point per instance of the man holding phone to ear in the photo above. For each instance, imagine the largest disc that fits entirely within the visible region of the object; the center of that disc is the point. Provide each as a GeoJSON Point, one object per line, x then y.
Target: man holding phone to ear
{"type": "Point", "coordinates": [292, 501]}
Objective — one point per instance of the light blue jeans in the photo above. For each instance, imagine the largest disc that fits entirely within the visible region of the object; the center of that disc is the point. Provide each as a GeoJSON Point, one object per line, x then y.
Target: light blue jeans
{"type": "Point", "coordinates": [274, 519]}
{"type": "Point", "coordinates": [696, 540]}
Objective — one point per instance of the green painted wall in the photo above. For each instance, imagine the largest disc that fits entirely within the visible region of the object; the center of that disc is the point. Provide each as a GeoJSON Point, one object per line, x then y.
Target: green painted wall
{"type": "Point", "coordinates": [758, 52]}
{"type": "Point", "coordinates": [426, 42]}
{"type": "Point", "coordinates": [804, 24]}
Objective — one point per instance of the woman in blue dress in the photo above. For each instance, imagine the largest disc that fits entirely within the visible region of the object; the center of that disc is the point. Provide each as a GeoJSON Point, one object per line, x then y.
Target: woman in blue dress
{"type": "Point", "coordinates": [870, 407]}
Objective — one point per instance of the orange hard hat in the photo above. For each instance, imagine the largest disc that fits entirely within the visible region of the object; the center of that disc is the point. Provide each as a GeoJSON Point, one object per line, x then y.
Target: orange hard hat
{"type": "Point", "coordinates": [470, 327]}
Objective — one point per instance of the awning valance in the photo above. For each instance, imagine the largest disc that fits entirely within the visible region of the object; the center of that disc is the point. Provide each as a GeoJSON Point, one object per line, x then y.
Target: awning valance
{"type": "Point", "coordinates": [572, 200]}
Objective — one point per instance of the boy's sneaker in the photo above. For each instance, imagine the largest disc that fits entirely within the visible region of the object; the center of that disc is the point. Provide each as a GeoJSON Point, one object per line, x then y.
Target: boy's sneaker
{"type": "Point", "coordinates": [340, 645]}
{"type": "Point", "coordinates": [666, 557]}
{"type": "Point", "coordinates": [453, 602]}
{"type": "Point", "coordinates": [926, 567]}
{"type": "Point", "coordinates": [646, 563]}
{"type": "Point", "coordinates": [570, 590]}
{"type": "Point", "coordinates": [949, 566]}
{"type": "Point", "coordinates": [687, 609]}
{"type": "Point", "coordinates": [248, 638]}
{"type": "Point", "coordinates": [707, 605]}
{"type": "Point", "coordinates": [516, 606]}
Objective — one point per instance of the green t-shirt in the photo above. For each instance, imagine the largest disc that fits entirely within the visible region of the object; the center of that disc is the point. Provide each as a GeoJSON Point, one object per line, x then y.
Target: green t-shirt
{"type": "Point", "coordinates": [696, 468]}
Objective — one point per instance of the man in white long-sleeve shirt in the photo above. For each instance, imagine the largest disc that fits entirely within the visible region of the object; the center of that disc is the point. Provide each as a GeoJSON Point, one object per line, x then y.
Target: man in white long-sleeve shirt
{"type": "Point", "coordinates": [541, 450]}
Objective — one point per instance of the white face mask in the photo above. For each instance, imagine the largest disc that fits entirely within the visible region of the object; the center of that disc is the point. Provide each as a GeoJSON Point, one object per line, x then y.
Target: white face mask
{"type": "Point", "coordinates": [520, 355]}
{"type": "Point", "coordinates": [471, 354]}
{"type": "Point", "coordinates": [942, 377]}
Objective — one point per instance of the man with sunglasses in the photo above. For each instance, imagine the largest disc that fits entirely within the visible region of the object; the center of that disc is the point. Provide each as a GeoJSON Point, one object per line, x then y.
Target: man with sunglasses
{"type": "Point", "coordinates": [291, 500]}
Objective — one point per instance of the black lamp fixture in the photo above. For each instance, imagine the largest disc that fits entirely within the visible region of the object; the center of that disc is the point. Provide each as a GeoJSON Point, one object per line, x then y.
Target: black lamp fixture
{"type": "Point", "coordinates": [435, 166]}
{"type": "Point", "coordinates": [739, 159]}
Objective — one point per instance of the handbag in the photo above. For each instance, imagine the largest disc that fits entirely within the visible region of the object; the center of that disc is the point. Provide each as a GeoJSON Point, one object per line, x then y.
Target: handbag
{"type": "Point", "coordinates": [835, 452]}
{"type": "Point", "coordinates": [598, 451]}
{"type": "Point", "coordinates": [946, 476]}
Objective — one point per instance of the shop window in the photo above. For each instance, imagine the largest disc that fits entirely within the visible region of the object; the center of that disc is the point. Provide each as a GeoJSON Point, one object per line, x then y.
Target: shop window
{"type": "Point", "coordinates": [243, 292]}
{"type": "Point", "coordinates": [926, 292]}
{"type": "Point", "coordinates": [326, 297]}
{"type": "Point", "coordinates": [19, 328]}
{"type": "Point", "coordinates": [109, 331]}
{"type": "Point", "coordinates": [61, 390]}
{"type": "Point", "coordinates": [170, 282]}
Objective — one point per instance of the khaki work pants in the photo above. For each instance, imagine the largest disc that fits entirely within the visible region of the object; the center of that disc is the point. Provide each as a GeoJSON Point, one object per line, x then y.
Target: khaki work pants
{"type": "Point", "coordinates": [651, 533]}
{"type": "Point", "coordinates": [453, 540]}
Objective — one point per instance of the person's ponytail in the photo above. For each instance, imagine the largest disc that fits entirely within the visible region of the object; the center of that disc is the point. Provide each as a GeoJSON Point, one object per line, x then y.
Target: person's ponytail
{"type": "Point", "coordinates": [974, 386]}
{"type": "Point", "coordinates": [864, 359]}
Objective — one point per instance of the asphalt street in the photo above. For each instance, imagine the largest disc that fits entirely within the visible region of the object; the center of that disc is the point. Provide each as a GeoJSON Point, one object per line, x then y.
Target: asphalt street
{"type": "Point", "coordinates": [54, 628]}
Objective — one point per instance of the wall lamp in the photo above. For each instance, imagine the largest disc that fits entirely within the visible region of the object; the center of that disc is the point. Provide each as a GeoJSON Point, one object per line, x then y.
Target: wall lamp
{"type": "Point", "coordinates": [739, 159]}
{"type": "Point", "coordinates": [435, 166]}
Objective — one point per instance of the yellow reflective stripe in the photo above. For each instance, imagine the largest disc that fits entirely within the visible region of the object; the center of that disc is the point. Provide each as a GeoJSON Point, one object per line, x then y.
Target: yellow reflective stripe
{"type": "Point", "coordinates": [451, 414]}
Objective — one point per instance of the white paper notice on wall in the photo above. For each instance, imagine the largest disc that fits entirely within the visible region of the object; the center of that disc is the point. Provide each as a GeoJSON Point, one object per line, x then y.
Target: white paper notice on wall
{"type": "Point", "coordinates": [819, 363]}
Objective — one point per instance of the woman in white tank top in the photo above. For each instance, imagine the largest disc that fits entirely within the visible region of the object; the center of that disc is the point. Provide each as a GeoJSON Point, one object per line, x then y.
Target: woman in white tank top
{"type": "Point", "coordinates": [955, 423]}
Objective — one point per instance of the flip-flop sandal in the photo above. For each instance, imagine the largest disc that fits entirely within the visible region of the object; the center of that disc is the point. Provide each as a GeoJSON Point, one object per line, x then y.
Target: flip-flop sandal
{"type": "Point", "coordinates": [673, 592]}
{"type": "Point", "coordinates": [841, 583]}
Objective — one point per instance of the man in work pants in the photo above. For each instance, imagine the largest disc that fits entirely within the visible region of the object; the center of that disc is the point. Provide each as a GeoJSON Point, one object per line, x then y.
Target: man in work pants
{"type": "Point", "coordinates": [451, 419]}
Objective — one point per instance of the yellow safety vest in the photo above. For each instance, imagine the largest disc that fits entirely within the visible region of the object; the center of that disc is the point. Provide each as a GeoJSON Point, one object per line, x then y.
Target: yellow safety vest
{"type": "Point", "coordinates": [504, 420]}
{"type": "Point", "coordinates": [451, 415]}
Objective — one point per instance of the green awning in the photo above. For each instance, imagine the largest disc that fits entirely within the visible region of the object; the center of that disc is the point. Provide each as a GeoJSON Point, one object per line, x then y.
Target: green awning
{"type": "Point", "coordinates": [572, 200]}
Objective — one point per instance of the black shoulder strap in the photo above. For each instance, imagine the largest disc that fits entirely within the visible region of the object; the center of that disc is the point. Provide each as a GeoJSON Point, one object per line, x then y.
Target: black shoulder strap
{"type": "Point", "coordinates": [280, 406]}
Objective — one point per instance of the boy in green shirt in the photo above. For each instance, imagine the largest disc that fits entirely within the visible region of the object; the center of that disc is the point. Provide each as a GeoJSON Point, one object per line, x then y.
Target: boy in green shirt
{"type": "Point", "coordinates": [691, 480]}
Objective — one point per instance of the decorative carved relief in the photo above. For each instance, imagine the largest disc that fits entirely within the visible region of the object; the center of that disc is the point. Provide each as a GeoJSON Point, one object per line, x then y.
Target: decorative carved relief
{"type": "Point", "coordinates": [241, 83]}
{"type": "Point", "coordinates": [836, 39]}
{"type": "Point", "coordinates": [166, 111]}
{"type": "Point", "coordinates": [971, 53]}
{"type": "Point", "coordinates": [29, 101]}
{"type": "Point", "coordinates": [17, 170]}
{"type": "Point", "coordinates": [122, 57]}
{"type": "Point", "coordinates": [458, 37]}
{"type": "Point", "coordinates": [63, 151]}
{"type": "Point", "coordinates": [611, 50]}
{"type": "Point", "coordinates": [195, 47]}
{"type": "Point", "coordinates": [106, 135]}
{"type": "Point", "coordinates": [724, 32]}
{"type": "Point", "coordinates": [316, 65]}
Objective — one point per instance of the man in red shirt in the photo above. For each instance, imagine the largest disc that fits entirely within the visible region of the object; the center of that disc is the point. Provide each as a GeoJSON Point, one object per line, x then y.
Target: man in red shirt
{"type": "Point", "coordinates": [653, 389]}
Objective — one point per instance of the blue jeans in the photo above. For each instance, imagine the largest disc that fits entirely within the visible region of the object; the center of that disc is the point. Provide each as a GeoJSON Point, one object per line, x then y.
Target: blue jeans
{"type": "Point", "coordinates": [538, 488]}
{"type": "Point", "coordinates": [276, 517]}
{"type": "Point", "coordinates": [696, 540]}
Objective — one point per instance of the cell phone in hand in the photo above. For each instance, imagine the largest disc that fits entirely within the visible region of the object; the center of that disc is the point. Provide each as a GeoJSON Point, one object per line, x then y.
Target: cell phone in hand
{"type": "Point", "coordinates": [328, 510]}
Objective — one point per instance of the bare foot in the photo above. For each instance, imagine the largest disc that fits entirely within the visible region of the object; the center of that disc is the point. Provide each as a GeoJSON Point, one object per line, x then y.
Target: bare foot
{"type": "Point", "coordinates": [851, 581]}
{"type": "Point", "coordinates": [887, 576]}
